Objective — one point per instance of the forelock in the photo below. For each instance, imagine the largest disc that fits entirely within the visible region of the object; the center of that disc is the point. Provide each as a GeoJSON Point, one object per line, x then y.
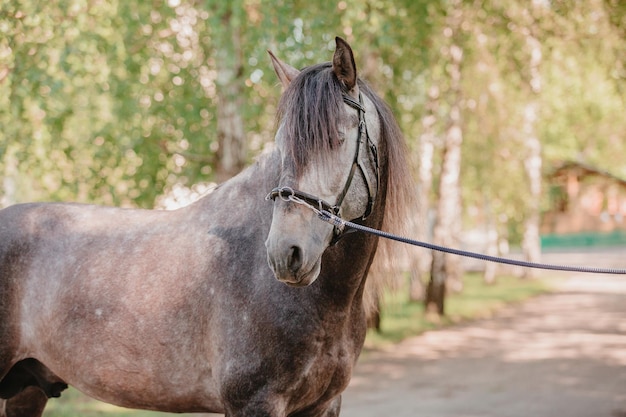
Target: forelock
{"type": "Point", "coordinates": [310, 113]}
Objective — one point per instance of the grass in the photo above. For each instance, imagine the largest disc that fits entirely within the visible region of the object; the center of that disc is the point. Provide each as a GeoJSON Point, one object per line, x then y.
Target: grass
{"type": "Point", "coordinates": [74, 404]}
{"type": "Point", "coordinates": [400, 319]}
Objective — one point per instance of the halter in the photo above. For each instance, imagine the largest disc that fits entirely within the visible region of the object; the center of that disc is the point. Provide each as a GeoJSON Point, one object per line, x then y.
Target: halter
{"type": "Point", "coordinates": [319, 205]}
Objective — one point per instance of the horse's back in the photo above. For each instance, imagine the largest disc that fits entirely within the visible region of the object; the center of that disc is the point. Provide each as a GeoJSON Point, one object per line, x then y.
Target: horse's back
{"type": "Point", "coordinates": [110, 293]}
{"type": "Point", "coordinates": [43, 241]}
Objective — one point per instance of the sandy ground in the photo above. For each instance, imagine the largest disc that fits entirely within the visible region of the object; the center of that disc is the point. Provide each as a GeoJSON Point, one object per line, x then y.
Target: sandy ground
{"type": "Point", "coordinates": [562, 354]}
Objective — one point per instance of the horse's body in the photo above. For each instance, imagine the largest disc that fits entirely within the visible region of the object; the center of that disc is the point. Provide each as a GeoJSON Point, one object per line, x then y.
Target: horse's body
{"type": "Point", "coordinates": [179, 311]}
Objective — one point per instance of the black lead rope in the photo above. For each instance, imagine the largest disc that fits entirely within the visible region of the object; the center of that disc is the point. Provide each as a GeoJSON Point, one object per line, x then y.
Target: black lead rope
{"type": "Point", "coordinates": [339, 222]}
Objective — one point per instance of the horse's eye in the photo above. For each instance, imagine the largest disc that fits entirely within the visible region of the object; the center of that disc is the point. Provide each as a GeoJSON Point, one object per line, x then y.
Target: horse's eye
{"type": "Point", "coordinates": [342, 138]}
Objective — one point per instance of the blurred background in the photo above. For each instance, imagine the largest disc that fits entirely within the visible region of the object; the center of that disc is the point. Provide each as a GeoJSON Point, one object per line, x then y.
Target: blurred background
{"type": "Point", "coordinates": [514, 111]}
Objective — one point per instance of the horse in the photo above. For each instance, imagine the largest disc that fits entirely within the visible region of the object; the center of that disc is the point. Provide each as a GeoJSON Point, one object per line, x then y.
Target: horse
{"type": "Point", "coordinates": [243, 303]}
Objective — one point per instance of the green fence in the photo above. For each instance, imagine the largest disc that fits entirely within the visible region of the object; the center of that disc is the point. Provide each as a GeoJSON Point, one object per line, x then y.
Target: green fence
{"type": "Point", "coordinates": [584, 239]}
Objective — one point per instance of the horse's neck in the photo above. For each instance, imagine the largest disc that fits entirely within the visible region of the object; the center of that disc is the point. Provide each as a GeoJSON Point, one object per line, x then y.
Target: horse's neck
{"type": "Point", "coordinates": [244, 193]}
{"type": "Point", "coordinates": [346, 266]}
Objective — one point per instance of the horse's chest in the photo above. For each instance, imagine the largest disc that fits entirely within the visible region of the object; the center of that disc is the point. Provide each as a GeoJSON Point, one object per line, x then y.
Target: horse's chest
{"type": "Point", "coordinates": [296, 378]}
{"type": "Point", "coordinates": [324, 374]}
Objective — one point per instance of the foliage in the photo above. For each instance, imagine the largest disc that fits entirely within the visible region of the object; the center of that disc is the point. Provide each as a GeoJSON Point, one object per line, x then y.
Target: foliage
{"type": "Point", "coordinates": [115, 102]}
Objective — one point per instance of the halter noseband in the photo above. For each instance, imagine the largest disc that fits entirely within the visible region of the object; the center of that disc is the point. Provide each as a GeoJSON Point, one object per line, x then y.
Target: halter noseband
{"type": "Point", "coordinates": [297, 196]}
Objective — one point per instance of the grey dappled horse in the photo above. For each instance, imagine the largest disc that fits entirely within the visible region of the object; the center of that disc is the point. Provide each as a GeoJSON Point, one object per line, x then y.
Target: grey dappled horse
{"type": "Point", "coordinates": [236, 304]}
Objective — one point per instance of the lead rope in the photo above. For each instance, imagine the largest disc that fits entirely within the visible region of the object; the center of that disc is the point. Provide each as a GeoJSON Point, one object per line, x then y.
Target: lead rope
{"type": "Point", "coordinates": [341, 223]}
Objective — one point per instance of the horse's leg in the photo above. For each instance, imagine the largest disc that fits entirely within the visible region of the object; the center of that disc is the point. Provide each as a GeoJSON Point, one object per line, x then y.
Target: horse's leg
{"type": "Point", "coordinates": [28, 403]}
{"type": "Point", "coordinates": [27, 387]}
{"type": "Point", "coordinates": [252, 410]}
{"type": "Point", "coordinates": [333, 410]}
{"type": "Point", "coordinates": [258, 410]}
{"type": "Point", "coordinates": [330, 410]}
{"type": "Point", "coordinates": [31, 372]}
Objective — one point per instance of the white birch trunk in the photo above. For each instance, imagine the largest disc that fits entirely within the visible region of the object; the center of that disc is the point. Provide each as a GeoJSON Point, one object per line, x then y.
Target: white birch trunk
{"type": "Point", "coordinates": [420, 268]}
{"type": "Point", "coordinates": [531, 243]}
{"type": "Point", "coordinates": [446, 269]}
{"type": "Point", "coordinates": [232, 149]}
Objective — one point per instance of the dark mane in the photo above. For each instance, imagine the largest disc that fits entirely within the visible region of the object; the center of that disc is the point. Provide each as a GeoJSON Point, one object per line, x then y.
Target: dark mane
{"type": "Point", "coordinates": [311, 110]}
{"type": "Point", "coordinates": [400, 201]}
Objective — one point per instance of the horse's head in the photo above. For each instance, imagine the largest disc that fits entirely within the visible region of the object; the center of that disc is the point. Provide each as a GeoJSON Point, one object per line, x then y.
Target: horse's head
{"type": "Point", "coordinates": [328, 133]}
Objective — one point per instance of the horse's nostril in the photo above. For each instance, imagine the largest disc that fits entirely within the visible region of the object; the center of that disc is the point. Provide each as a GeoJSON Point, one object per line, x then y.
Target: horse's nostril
{"type": "Point", "coordinates": [294, 260]}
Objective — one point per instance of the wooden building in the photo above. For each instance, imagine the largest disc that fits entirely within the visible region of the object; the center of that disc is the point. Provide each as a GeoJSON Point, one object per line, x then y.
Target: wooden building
{"type": "Point", "coordinates": [584, 200]}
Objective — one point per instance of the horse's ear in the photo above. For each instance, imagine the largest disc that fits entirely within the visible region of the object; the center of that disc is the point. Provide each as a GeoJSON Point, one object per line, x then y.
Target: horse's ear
{"type": "Point", "coordinates": [343, 64]}
{"type": "Point", "coordinates": [285, 72]}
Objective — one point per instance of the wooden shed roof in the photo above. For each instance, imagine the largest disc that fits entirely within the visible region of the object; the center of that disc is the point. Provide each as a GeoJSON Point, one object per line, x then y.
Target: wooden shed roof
{"type": "Point", "coordinates": [582, 170]}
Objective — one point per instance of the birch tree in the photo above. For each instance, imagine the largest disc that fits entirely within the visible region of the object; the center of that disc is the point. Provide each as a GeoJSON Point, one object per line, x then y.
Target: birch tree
{"type": "Point", "coordinates": [531, 243]}
{"type": "Point", "coordinates": [231, 152]}
{"type": "Point", "coordinates": [446, 268]}
{"type": "Point", "coordinates": [421, 265]}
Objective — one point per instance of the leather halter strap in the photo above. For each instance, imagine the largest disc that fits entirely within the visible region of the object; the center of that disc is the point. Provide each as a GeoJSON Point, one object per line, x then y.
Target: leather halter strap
{"type": "Point", "coordinates": [290, 194]}
{"type": "Point", "coordinates": [357, 163]}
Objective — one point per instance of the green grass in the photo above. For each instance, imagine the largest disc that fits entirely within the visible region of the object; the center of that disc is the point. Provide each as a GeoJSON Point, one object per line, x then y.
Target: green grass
{"type": "Point", "coordinates": [74, 404]}
{"type": "Point", "coordinates": [400, 319]}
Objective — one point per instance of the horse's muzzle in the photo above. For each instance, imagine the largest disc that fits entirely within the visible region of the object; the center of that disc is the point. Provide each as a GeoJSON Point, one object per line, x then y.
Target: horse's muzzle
{"type": "Point", "coordinates": [290, 264]}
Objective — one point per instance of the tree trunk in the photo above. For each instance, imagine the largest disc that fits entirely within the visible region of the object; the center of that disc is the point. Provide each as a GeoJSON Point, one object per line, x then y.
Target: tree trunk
{"type": "Point", "coordinates": [491, 268]}
{"type": "Point", "coordinates": [531, 243]}
{"type": "Point", "coordinates": [446, 269]}
{"type": "Point", "coordinates": [232, 150]}
{"type": "Point", "coordinates": [420, 268]}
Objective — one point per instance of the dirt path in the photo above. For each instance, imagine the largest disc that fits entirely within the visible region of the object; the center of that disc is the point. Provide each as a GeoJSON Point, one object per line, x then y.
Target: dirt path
{"type": "Point", "coordinates": [562, 354]}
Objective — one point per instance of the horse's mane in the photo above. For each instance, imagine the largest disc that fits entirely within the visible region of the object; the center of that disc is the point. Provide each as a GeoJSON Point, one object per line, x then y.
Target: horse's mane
{"type": "Point", "coordinates": [311, 109]}
{"type": "Point", "coordinates": [400, 197]}
{"type": "Point", "coordinates": [400, 203]}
